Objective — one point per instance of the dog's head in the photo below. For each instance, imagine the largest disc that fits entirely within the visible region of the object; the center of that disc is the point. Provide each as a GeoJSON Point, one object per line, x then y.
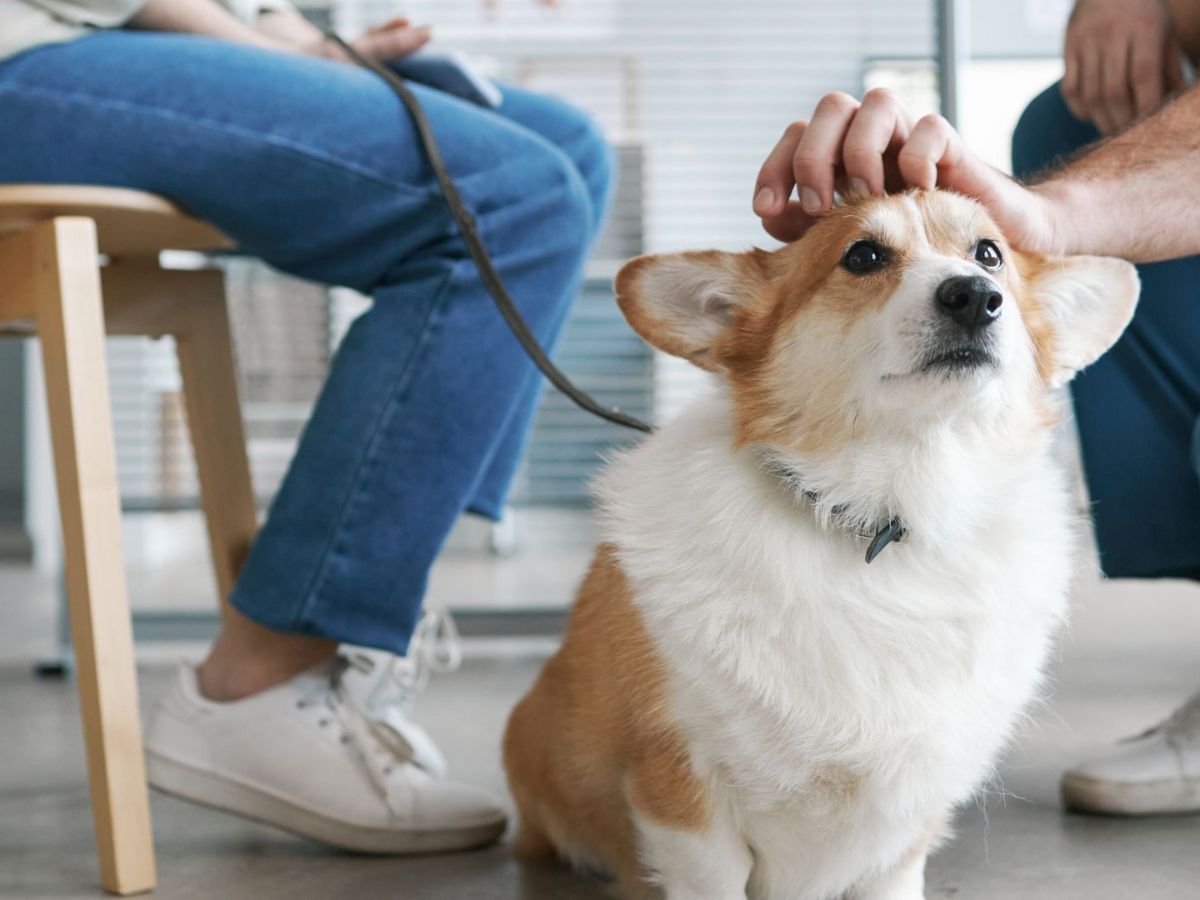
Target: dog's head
{"type": "Point", "coordinates": [890, 312]}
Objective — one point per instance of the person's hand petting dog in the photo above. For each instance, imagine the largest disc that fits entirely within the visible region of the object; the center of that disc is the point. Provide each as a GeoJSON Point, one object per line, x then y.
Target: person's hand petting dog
{"type": "Point", "coordinates": [874, 147]}
{"type": "Point", "coordinates": [1122, 60]}
{"type": "Point", "coordinates": [1134, 195]}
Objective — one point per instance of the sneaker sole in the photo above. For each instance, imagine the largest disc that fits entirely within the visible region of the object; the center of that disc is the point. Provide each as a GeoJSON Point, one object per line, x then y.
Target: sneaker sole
{"type": "Point", "coordinates": [1113, 798]}
{"type": "Point", "coordinates": [217, 792]}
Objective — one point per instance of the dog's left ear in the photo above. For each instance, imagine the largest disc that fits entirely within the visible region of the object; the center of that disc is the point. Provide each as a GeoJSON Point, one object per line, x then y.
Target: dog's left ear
{"type": "Point", "coordinates": [1086, 302]}
{"type": "Point", "coordinates": [682, 303]}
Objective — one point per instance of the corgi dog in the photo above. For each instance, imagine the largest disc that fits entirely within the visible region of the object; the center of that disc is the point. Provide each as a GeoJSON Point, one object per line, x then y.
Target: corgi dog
{"type": "Point", "coordinates": [827, 591]}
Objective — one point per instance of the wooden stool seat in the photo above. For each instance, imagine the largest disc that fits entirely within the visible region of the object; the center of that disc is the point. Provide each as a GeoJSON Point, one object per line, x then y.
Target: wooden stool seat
{"type": "Point", "coordinates": [78, 263]}
{"type": "Point", "coordinates": [128, 223]}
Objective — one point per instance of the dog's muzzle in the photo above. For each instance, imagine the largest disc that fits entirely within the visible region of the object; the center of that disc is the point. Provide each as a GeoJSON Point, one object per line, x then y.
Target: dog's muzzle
{"type": "Point", "coordinates": [966, 308]}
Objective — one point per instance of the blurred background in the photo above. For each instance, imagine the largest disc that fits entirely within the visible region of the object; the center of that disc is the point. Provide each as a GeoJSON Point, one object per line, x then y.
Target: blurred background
{"type": "Point", "coordinates": [692, 96]}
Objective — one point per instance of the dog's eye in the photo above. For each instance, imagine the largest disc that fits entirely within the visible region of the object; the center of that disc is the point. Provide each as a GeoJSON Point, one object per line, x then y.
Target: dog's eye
{"type": "Point", "coordinates": [864, 257]}
{"type": "Point", "coordinates": [987, 254]}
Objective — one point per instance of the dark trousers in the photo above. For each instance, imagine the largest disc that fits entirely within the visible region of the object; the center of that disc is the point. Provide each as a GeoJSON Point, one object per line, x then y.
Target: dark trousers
{"type": "Point", "coordinates": [1137, 407]}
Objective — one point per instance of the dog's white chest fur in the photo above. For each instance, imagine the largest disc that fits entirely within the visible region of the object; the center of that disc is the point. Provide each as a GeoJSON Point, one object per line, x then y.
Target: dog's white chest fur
{"type": "Point", "coordinates": [838, 709]}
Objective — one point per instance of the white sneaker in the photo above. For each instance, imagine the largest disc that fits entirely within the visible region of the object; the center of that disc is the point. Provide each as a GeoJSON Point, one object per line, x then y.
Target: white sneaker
{"type": "Point", "coordinates": [305, 757]}
{"type": "Point", "coordinates": [1154, 773]}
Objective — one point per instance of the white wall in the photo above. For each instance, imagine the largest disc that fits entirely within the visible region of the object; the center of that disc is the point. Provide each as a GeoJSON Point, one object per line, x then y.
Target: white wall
{"type": "Point", "coordinates": [1017, 27]}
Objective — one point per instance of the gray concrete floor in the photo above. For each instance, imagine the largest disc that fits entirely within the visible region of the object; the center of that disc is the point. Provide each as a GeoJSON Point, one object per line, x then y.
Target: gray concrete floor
{"type": "Point", "coordinates": [1130, 656]}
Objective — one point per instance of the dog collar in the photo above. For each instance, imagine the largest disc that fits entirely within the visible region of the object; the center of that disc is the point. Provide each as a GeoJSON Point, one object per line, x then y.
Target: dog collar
{"type": "Point", "coordinates": [888, 532]}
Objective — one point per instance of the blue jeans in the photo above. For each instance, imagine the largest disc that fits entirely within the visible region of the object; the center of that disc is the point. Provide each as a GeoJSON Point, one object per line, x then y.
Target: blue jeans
{"type": "Point", "coordinates": [314, 167]}
{"type": "Point", "coordinates": [1137, 407]}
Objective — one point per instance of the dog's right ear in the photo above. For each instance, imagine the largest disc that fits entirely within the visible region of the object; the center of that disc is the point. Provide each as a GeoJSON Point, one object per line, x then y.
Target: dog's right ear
{"type": "Point", "coordinates": [682, 303]}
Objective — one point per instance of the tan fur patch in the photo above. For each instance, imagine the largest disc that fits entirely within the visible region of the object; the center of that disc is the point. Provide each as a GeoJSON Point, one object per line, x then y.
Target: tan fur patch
{"type": "Point", "coordinates": [838, 782]}
{"type": "Point", "coordinates": [807, 280]}
{"type": "Point", "coordinates": [953, 224]}
{"type": "Point", "coordinates": [670, 324]}
{"type": "Point", "coordinates": [1030, 267]}
{"type": "Point", "coordinates": [629, 291]}
{"type": "Point", "coordinates": [593, 737]}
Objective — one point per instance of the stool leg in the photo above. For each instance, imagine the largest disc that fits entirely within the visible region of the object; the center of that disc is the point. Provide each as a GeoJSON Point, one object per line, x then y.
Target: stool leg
{"type": "Point", "coordinates": [210, 392]}
{"type": "Point", "coordinates": [70, 322]}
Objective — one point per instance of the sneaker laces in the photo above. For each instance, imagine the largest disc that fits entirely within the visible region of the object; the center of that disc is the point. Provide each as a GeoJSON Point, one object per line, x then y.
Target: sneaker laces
{"type": "Point", "coordinates": [1184, 722]}
{"type": "Point", "coordinates": [378, 747]}
{"type": "Point", "coordinates": [434, 648]}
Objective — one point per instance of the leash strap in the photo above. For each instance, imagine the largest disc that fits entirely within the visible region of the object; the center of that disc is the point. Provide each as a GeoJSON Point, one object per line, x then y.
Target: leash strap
{"type": "Point", "coordinates": [892, 531]}
{"type": "Point", "coordinates": [482, 259]}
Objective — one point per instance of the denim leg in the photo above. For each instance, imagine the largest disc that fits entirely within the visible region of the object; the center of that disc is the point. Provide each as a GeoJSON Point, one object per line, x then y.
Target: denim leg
{"type": "Point", "coordinates": [580, 139]}
{"type": "Point", "coordinates": [1136, 408]}
{"type": "Point", "coordinates": [573, 132]}
{"type": "Point", "coordinates": [314, 167]}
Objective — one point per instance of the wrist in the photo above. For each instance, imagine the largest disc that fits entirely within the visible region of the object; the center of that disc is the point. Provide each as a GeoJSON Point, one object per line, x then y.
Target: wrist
{"type": "Point", "coordinates": [292, 33]}
{"type": "Point", "coordinates": [1067, 209]}
{"type": "Point", "coordinates": [287, 27]}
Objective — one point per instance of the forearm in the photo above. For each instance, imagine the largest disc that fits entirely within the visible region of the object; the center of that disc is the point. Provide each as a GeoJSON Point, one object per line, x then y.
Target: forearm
{"type": "Point", "coordinates": [1136, 195]}
{"type": "Point", "coordinates": [197, 17]}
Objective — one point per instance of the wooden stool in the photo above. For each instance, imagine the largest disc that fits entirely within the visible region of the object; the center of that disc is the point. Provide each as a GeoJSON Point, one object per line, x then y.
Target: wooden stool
{"type": "Point", "coordinates": [61, 249]}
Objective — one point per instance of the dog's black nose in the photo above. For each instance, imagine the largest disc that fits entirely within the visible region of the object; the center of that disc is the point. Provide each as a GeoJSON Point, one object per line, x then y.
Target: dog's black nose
{"type": "Point", "coordinates": [972, 301]}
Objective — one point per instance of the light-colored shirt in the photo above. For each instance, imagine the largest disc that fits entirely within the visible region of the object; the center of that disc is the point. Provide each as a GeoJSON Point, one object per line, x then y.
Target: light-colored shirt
{"type": "Point", "coordinates": [28, 23]}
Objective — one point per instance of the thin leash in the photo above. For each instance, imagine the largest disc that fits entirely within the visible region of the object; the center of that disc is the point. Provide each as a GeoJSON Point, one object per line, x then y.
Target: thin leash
{"type": "Point", "coordinates": [479, 254]}
{"type": "Point", "coordinates": [889, 532]}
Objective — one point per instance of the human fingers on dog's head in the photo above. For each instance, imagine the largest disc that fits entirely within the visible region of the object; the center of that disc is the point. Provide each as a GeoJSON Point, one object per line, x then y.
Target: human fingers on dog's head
{"type": "Point", "coordinates": [808, 156]}
{"type": "Point", "coordinates": [847, 146]}
{"type": "Point", "coordinates": [790, 225]}
{"type": "Point", "coordinates": [782, 217]}
{"type": "Point", "coordinates": [817, 162]}
{"type": "Point", "coordinates": [775, 181]}
{"type": "Point", "coordinates": [878, 131]}
{"type": "Point", "coordinates": [933, 144]}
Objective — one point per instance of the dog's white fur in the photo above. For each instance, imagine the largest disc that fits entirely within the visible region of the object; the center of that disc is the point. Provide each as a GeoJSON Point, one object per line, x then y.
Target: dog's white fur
{"type": "Point", "coordinates": [837, 709]}
{"type": "Point", "coordinates": [837, 712]}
